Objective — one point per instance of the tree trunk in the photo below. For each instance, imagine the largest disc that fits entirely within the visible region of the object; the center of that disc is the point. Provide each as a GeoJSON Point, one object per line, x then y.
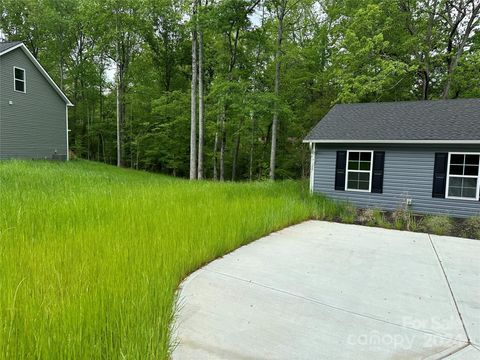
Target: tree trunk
{"type": "Point", "coordinates": [425, 84]}
{"type": "Point", "coordinates": [223, 134]}
{"type": "Point", "coordinates": [280, 16]}
{"type": "Point", "coordinates": [215, 150]}
{"type": "Point", "coordinates": [236, 150]}
{"type": "Point", "coordinates": [120, 112]}
{"type": "Point", "coordinates": [193, 119]}
{"type": "Point", "coordinates": [223, 139]}
{"type": "Point", "coordinates": [252, 147]}
{"type": "Point", "coordinates": [201, 105]}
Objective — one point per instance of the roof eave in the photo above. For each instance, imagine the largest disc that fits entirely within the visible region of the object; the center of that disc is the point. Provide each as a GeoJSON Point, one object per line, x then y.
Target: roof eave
{"type": "Point", "coordinates": [41, 69]}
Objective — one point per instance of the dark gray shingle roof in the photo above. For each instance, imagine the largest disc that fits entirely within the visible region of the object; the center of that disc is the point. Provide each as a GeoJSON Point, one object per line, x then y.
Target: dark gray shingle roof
{"type": "Point", "coordinates": [7, 45]}
{"type": "Point", "coordinates": [407, 120]}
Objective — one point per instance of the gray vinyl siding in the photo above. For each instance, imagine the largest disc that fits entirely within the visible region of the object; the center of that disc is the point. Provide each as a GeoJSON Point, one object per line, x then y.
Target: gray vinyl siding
{"type": "Point", "coordinates": [34, 126]}
{"type": "Point", "coordinates": [408, 172]}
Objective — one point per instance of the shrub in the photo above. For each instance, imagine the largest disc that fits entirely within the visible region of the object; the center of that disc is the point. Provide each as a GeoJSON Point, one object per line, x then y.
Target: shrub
{"type": "Point", "coordinates": [438, 225]}
{"type": "Point", "coordinates": [471, 227]}
{"type": "Point", "coordinates": [373, 217]}
{"type": "Point", "coordinates": [404, 220]}
{"type": "Point", "coordinates": [366, 216]}
{"type": "Point", "coordinates": [348, 214]}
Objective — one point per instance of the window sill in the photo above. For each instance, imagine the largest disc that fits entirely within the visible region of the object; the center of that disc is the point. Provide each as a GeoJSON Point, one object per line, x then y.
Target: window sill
{"type": "Point", "coordinates": [363, 191]}
{"type": "Point", "coordinates": [461, 198]}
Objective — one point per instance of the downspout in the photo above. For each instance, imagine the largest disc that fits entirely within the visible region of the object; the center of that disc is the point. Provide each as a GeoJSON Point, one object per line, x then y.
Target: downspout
{"type": "Point", "coordinates": [312, 165]}
{"type": "Point", "coordinates": [1, 106]}
{"type": "Point", "coordinates": [66, 124]}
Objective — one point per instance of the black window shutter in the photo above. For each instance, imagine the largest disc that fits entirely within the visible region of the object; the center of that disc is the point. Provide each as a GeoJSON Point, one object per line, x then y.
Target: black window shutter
{"type": "Point", "coordinates": [340, 170]}
{"type": "Point", "coordinates": [440, 175]}
{"type": "Point", "coordinates": [377, 175]}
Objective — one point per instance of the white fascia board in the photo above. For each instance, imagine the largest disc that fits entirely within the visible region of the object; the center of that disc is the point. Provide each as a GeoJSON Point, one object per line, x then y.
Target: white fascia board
{"type": "Point", "coordinates": [41, 69]}
{"type": "Point", "coordinates": [11, 49]}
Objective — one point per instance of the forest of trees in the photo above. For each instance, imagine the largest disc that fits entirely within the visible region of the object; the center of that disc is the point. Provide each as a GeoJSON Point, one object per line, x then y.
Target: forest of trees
{"type": "Point", "coordinates": [227, 89]}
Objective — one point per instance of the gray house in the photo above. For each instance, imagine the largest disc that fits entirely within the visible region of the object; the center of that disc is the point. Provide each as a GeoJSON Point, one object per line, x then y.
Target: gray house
{"type": "Point", "coordinates": [33, 109]}
{"type": "Point", "coordinates": [423, 155]}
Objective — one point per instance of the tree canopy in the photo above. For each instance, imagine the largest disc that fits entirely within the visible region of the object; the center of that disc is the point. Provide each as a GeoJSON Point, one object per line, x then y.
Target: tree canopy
{"type": "Point", "coordinates": [261, 66]}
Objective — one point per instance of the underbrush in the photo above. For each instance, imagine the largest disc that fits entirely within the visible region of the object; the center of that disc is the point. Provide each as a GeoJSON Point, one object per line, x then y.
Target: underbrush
{"type": "Point", "coordinates": [400, 219]}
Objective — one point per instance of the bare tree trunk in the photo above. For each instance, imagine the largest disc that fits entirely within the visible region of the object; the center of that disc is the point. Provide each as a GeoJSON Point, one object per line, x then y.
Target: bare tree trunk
{"type": "Point", "coordinates": [236, 150]}
{"type": "Point", "coordinates": [215, 152]}
{"type": "Point", "coordinates": [223, 139]}
{"type": "Point", "coordinates": [273, 154]}
{"type": "Point", "coordinates": [120, 112]}
{"type": "Point", "coordinates": [193, 119]}
{"type": "Point", "coordinates": [252, 147]}
{"type": "Point", "coordinates": [201, 105]}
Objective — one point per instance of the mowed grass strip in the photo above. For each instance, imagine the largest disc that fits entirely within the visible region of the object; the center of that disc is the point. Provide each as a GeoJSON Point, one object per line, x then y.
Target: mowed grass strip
{"type": "Point", "coordinates": [91, 255]}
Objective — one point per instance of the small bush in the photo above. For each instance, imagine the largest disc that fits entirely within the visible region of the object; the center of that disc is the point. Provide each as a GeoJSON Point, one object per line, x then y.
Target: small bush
{"type": "Point", "coordinates": [348, 214]}
{"type": "Point", "coordinates": [471, 227]}
{"type": "Point", "coordinates": [438, 225]}
{"type": "Point", "coordinates": [373, 217]}
{"type": "Point", "coordinates": [366, 216]}
{"type": "Point", "coordinates": [404, 220]}
{"type": "Point", "coordinates": [379, 220]}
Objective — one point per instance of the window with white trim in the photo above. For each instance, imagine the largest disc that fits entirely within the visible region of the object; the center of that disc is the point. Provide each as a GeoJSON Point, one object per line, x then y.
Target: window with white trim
{"type": "Point", "coordinates": [359, 170]}
{"type": "Point", "coordinates": [462, 175]}
{"type": "Point", "coordinates": [19, 80]}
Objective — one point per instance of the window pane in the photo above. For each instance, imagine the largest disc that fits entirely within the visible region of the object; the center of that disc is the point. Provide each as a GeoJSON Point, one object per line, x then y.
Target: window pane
{"type": "Point", "coordinates": [365, 165]}
{"type": "Point", "coordinates": [353, 176]}
{"type": "Point", "coordinates": [471, 159]}
{"type": "Point", "coordinates": [354, 156]}
{"type": "Point", "coordinates": [19, 85]}
{"type": "Point", "coordinates": [471, 170]}
{"type": "Point", "coordinates": [365, 156]}
{"type": "Point", "coordinates": [469, 192]}
{"type": "Point", "coordinates": [454, 191]}
{"type": "Point", "coordinates": [363, 185]}
{"type": "Point", "coordinates": [462, 187]}
{"type": "Point", "coordinates": [456, 181]}
{"type": "Point", "coordinates": [364, 177]}
{"type": "Point", "coordinates": [19, 74]}
{"type": "Point", "coordinates": [469, 182]}
{"type": "Point", "coordinates": [457, 159]}
{"type": "Point", "coordinates": [352, 184]}
{"type": "Point", "coordinates": [456, 169]}
{"type": "Point", "coordinates": [353, 165]}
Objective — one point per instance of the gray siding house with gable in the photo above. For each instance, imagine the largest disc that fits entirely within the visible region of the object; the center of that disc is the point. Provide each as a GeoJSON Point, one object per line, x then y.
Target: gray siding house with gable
{"type": "Point", "coordinates": [423, 155]}
{"type": "Point", "coordinates": [33, 109]}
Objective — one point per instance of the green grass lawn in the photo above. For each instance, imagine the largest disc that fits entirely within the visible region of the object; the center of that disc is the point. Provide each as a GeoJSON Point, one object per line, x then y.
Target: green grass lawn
{"type": "Point", "coordinates": [91, 255]}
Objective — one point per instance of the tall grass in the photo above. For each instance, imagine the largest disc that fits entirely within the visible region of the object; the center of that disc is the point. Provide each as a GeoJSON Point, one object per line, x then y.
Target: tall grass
{"type": "Point", "coordinates": [91, 256]}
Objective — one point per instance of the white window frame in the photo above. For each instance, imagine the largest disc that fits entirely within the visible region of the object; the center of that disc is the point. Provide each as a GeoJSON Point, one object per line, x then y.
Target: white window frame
{"type": "Point", "coordinates": [476, 198]}
{"type": "Point", "coordinates": [359, 171]}
{"type": "Point", "coordinates": [24, 80]}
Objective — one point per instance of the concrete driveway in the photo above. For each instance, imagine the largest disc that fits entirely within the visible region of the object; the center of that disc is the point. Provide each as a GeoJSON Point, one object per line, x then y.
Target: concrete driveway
{"type": "Point", "coordinates": [322, 290]}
